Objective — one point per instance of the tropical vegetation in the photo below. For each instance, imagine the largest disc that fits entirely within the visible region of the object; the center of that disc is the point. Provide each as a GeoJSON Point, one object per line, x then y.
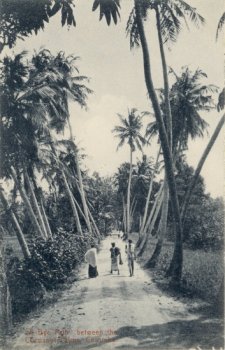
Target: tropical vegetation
{"type": "Point", "coordinates": [52, 205]}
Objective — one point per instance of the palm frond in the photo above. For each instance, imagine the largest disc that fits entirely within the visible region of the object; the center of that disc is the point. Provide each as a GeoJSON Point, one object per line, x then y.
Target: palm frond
{"type": "Point", "coordinates": [108, 9]}
{"type": "Point", "coordinates": [132, 30]}
{"type": "Point", "coordinates": [220, 24]}
{"type": "Point", "coordinates": [221, 100]}
{"type": "Point", "coordinates": [190, 11]}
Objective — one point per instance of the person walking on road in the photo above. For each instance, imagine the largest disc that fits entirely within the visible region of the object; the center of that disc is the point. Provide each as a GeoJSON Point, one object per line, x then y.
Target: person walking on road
{"type": "Point", "coordinates": [115, 255]}
{"type": "Point", "coordinates": [131, 256]}
{"type": "Point", "coordinates": [91, 259]}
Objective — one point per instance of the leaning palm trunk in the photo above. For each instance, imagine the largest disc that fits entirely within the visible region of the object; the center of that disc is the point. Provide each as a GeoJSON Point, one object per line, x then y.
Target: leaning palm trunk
{"type": "Point", "coordinates": [128, 193]}
{"type": "Point", "coordinates": [73, 206]}
{"type": "Point", "coordinates": [175, 258]}
{"type": "Point", "coordinates": [156, 206]}
{"type": "Point", "coordinates": [149, 194]}
{"type": "Point", "coordinates": [177, 272]}
{"type": "Point", "coordinates": [27, 205]}
{"type": "Point", "coordinates": [132, 210]}
{"type": "Point", "coordinates": [162, 229]}
{"type": "Point", "coordinates": [199, 167]}
{"type": "Point", "coordinates": [70, 195]}
{"type": "Point", "coordinates": [48, 228]}
{"type": "Point", "coordinates": [165, 79]}
{"type": "Point", "coordinates": [35, 204]}
{"type": "Point", "coordinates": [159, 194]}
{"type": "Point", "coordinates": [124, 216]}
{"type": "Point", "coordinates": [94, 224]}
{"type": "Point", "coordinates": [83, 199]}
{"type": "Point", "coordinates": [152, 225]}
{"type": "Point", "coordinates": [18, 230]}
{"type": "Point", "coordinates": [5, 299]}
{"type": "Point", "coordinates": [78, 207]}
{"type": "Point", "coordinates": [89, 215]}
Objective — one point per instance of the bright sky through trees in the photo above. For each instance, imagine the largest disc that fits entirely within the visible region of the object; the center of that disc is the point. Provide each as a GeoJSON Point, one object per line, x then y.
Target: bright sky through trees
{"type": "Point", "coordinates": [118, 81]}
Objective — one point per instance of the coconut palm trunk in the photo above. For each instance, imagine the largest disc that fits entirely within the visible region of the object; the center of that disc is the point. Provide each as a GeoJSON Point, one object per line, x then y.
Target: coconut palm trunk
{"type": "Point", "coordinates": [149, 194]}
{"type": "Point", "coordinates": [162, 228]}
{"type": "Point", "coordinates": [157, 204]}
{"type": "Point", "coordinates": [177, 272]}
{"type": "Point", "coordinates": [83, 199]}
{"type": "Point", "coordinates": [128, 194]}
{"type": "Point", "coordinates": [27, 205]}
{"type": "Point", "coordinates": [69, 193]}
{"type": "Point", "coordinates": [94, 224]}
{"type": "Point", "coordinates": [199, 167]}
{"type": "Point", "coordinates": [124, 216]}
{"type": "Point", "coordinates": [5, 298]}
{"type": "Point", "coordinates": [19, 234]}
{"type": "Point", "coordinates": [152, 225]}
{"type": "Point", "coordinates": [132, 210]}
{"type": "Point", "coordinates": [89, 215]}
{"type": "Point", "coordinates": [165, 79]}
{"type": "Point", "coordinates": [35, 204]}
{"type": "Point", "coordinates": [73, 206]}
{"type": "Point", "coordinates": [48, 228]}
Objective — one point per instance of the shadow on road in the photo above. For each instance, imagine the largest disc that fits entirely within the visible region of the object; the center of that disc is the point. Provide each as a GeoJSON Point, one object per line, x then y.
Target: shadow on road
{"type": "Point", "coordinates": [202, 333]}
{"type": "Point", "coordinates": [177, 334]}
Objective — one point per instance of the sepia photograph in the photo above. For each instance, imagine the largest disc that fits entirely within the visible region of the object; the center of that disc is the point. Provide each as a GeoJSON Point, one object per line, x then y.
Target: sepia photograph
{"type": "Point", "coordinates": [112, 174]}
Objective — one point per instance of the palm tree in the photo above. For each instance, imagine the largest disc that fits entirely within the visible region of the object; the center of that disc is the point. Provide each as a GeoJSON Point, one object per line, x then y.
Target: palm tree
{"type": "Point", "coordinates": [200, 165]}
{"type": "Point", "coordinates": [162, 135]}
{"type": "Point", "coordinates": [129, 132]}
{"type": "Point", "coordinates": [188, 97]}
{"type": "Point", "coordinates": [169, 18]}
{"type": "Point", "coordinates": [171, 25]}
{"type": "Point", "coordinates": [143, 225]}
{"type": "Point", "coordinates": [53, 161]}
{"type": "Point", "coordinates": [19, 133]}
{"type": "Point", "coordinates": [68, 86]}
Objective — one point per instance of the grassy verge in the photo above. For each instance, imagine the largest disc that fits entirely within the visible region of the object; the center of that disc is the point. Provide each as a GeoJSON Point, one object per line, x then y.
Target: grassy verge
{"type": "Point", "coordinates": [202, 270]}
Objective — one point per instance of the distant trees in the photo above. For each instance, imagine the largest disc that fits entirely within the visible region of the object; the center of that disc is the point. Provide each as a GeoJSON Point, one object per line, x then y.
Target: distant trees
{"type": "Point", "coordinates": [130, 132]}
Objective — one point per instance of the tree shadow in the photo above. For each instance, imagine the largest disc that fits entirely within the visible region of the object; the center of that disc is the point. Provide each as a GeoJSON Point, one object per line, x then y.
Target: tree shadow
{"type": "Point", "coordinates": [203, 332]}
{"type": "Point", "coordinates": [179, 334]}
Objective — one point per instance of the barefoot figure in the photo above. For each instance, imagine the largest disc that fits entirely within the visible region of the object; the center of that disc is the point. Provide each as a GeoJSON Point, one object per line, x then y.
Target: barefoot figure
{"type": "Point", "coordinates": [130, 251]}
{"type": "Point", "coordinates": [115, 254]}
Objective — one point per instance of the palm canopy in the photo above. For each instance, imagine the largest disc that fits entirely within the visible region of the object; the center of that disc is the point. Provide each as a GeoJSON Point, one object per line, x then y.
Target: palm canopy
{"type": "Point", "coordinates": [20, 21]}
{"type": "Point", "coordinates": [34, 99]}
{"type": "Point", "coordinates": [220, 24]}
{"type": "Point", "coordinates": [129, 130]}
{"type": "Point", "coordinates": [108, 9]}
{"type": "Point", "coordinates": [188, 97]}
{"type": "Point", "coordinates": [60, 75]}
{"type": "Point", "coordinates": [172, 14]}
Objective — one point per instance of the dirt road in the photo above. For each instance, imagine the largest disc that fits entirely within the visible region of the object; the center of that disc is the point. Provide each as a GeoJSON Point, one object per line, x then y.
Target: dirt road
{"type": "Point", "coordinates": [116, 312]}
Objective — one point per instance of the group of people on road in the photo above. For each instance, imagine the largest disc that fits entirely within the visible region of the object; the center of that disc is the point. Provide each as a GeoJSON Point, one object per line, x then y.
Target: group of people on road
{"type": "Point", "coordinates": [116, 259]}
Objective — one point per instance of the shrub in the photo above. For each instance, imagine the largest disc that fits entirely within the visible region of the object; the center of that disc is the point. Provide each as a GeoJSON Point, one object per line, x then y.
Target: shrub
{"type": "Point", "coordinates": [50, 264]}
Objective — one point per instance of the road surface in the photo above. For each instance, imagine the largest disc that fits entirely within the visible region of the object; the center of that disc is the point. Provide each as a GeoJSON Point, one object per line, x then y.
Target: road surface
{"type": "Point", "coordinates": [116, 312]}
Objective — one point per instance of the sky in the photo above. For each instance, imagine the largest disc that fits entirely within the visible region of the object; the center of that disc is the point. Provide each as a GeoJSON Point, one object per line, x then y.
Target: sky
{"type": "Point", "coordinates": [117, 80]}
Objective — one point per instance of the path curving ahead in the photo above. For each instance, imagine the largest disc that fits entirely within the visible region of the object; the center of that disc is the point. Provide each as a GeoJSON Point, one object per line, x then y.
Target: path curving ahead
{"type": "Point", "coordinates": [116, 312]}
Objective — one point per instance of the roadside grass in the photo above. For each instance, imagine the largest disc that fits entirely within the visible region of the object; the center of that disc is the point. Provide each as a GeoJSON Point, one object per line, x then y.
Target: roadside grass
{"type": "Point", "coordinates": [202, 270]}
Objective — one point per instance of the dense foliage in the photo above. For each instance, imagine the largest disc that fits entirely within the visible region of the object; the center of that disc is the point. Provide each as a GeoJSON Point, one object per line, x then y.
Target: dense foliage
{"type": "Point", "coordinates": [49, 267]}
{"type": "Point", "coordinates": [21, 20]}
